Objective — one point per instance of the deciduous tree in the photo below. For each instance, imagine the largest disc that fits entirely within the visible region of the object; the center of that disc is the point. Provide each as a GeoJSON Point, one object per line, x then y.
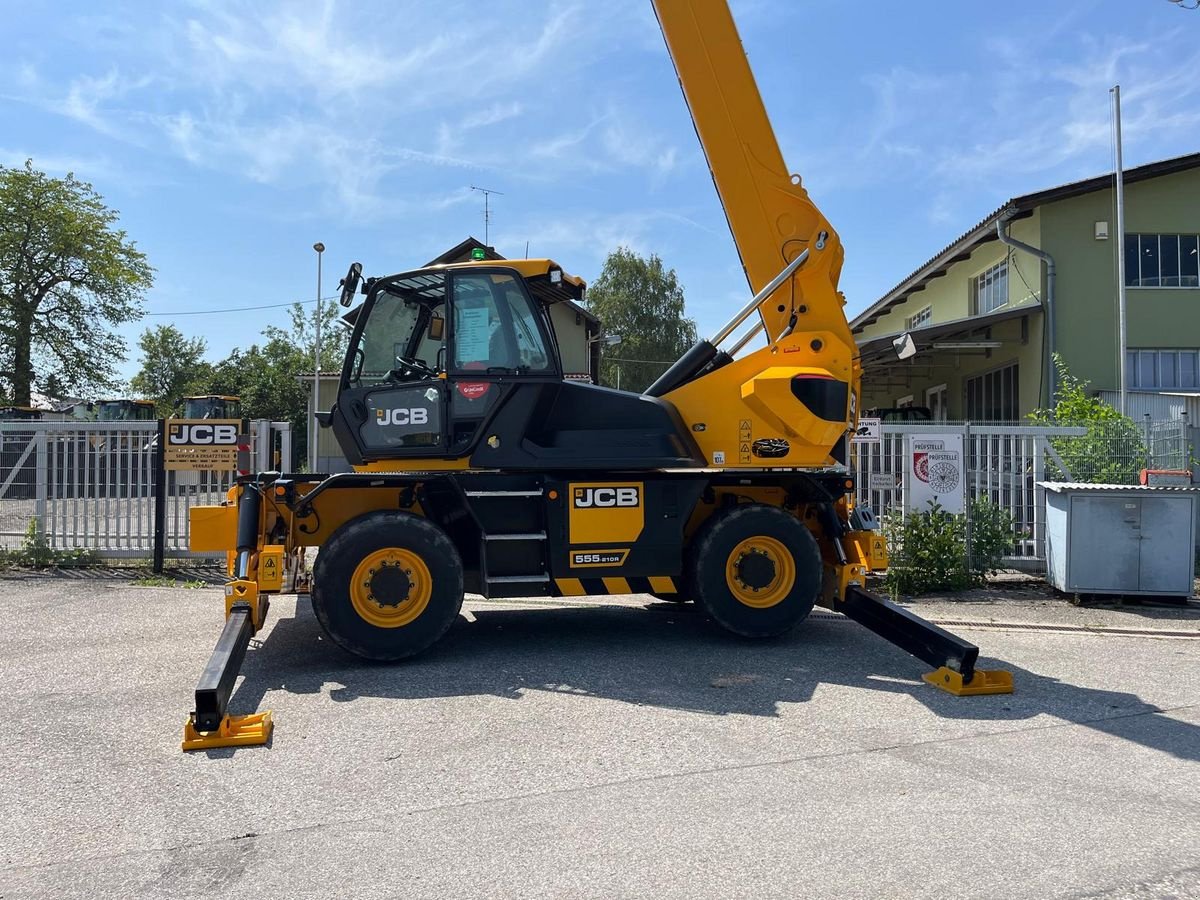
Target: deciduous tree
{"type": "Point", "coordinates": [67, 274]}
{"type": "Point", "coordinates": [173, 367]}
{"type": "Point", "coordinates": [636, 298]}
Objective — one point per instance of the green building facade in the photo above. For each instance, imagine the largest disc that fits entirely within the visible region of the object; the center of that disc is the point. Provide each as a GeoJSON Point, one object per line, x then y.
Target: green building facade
{"type": "Point", "coordinates": [976, 310]}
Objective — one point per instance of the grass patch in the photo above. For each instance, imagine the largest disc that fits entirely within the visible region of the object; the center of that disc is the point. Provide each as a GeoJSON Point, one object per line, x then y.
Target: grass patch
{"type": "Point", "coordinates": [167, 581]}
{"type": "Point", "coordinates": [35, 552]}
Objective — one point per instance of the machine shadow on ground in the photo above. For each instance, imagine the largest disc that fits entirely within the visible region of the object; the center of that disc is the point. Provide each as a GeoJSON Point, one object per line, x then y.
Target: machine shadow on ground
{"type": "Point", "coordinates": [668, 656]}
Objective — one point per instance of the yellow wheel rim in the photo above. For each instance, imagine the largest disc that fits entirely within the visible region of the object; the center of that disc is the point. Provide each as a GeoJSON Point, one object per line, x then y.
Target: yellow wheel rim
{"type": "Point", "coordinates": [391, 587]}
{"type": "Point", "coordinates": [760, 572]}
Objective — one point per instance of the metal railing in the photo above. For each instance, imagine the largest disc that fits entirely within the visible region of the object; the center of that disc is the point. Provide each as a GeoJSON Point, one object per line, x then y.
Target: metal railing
{"type": "Point", "coordinates": [91, 485]}
{"type": "Point", "coordinates": [1005, 463]}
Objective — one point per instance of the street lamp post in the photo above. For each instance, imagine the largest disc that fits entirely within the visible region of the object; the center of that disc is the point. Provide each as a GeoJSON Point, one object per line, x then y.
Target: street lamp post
{"type": "Point", "coordinates": [313, 428]}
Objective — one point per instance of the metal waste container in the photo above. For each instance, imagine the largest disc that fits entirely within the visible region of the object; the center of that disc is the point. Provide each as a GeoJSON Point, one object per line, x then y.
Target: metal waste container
{"type": "Point", "coordinates": [1121, 539]}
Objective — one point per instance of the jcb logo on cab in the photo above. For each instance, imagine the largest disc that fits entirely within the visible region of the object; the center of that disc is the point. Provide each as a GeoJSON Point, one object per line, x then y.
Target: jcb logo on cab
{"type": "Point", "coordinates": [417, 416]}
{"type": "Point", "coordinates": [604, 496]}
{"type": "Point", "coordinates": [203, 434]}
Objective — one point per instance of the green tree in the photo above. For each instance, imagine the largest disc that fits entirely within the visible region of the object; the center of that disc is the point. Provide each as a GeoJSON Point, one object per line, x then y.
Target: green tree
{"type": "Point", "coordinates": [173, 367]}
{"type": "Point", "coordinates": [302, 334]}
{"type": "Point", "coordinates": [268, 376]}
{"type": "Point", "coordinates": [67, 273]}
{"type": "Point", "coordinates": [636, 298]}
{"type": "Point", "coordinates": [1113, 450]}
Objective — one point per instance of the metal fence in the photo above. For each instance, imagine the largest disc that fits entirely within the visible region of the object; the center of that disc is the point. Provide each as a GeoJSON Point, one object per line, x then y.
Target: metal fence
{"type": "Point", "coordinates": [91, 486]}
{"type": "Point", "coordinates": [1005, 463]}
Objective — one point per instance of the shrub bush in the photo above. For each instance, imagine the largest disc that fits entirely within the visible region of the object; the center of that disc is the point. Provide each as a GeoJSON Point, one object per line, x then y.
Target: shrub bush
{"type": "Point", "coordinates": [1112, 452]}
{"type": "Point", "coordinates": [928, 549]}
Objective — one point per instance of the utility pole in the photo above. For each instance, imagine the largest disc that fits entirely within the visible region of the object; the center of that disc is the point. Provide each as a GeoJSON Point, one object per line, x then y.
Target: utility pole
{"type": "Point", "coordinates": [1120, 192]}
{"type": "Point", "coordinates": [314, 430]}
{"type": "Point", "coordinates": [487, 212]}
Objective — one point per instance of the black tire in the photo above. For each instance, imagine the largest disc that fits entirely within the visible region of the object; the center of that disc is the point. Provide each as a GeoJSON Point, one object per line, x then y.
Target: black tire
{"type": "Point", "coordinates": [771, 532]}
{"type": "Point", "coordinates": [396, 539]}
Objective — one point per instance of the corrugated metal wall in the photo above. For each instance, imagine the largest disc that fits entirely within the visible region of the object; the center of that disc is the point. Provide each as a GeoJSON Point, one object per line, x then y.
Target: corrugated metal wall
{"type": "Point", "coordinates": [1160, 406]}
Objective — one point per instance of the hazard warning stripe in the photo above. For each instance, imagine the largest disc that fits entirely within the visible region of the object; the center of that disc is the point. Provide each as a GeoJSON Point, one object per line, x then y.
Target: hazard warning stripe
{"type": "Point", "coordinates": [599, 587]}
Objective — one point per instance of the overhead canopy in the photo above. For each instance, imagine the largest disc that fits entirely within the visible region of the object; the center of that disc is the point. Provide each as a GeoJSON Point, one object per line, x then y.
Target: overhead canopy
{"type": "Point", "coordinates": [879, 350]}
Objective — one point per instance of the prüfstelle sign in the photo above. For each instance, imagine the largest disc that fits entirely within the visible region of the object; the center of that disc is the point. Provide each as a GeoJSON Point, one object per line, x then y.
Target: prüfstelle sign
{"type": "Point", "coordinates": [935, 472]}
{"type": "Point", "coordinates": [202, 445]}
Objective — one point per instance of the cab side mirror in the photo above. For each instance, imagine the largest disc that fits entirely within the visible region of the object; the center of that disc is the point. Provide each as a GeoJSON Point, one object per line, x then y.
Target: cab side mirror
{"type": "Point", "coordinates": [906, 347]}
{"type": "Point", "coordinates": [350, 284]}
{"type": "Point", "coordinates": [437, 328]}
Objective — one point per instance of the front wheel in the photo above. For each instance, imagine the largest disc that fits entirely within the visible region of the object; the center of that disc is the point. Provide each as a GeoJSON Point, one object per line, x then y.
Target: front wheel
{"type": "Point", "coordinates": [755, 569]}
{"type": "Point", "coordinates": [387, 585]}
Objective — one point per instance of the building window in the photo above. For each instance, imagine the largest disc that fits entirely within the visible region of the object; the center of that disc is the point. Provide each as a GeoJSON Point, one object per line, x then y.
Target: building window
{"type": "Point", "coordinates": [904, 402]}
{"type": "Point", "coordinates": [991, 288]}
{"type": "Point", "coordinates": [1162, 260]}
{"type": "Point", "coordinates": [1154, 370]}
{"type": "Point", "coordinates": [935, 399]}
{"type": "Point", "coordinates": [919, 318]}
{"type": "Point", "coordinates": [993, 396]}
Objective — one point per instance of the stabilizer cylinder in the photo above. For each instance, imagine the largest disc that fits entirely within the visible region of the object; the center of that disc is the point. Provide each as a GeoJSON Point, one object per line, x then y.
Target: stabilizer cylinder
{"type": "Point", "coordinates": [954, 657]}
{"type": "Point", "coordinates": [210, 725]}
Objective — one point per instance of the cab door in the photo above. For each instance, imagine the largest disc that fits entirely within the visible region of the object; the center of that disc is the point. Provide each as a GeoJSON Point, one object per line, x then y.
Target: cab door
{"type": "Point", "coordinates": [393, 398]}
{"type": "Point", "coordinates": [499, 342]}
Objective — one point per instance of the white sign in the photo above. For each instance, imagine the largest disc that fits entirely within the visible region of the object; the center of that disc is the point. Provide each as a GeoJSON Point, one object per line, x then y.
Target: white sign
{"type": "Point", "coordinates": [472, 334]}
{"type": "Point", "coordinates": [869, 431]}
{"type": "Point", "coordinates": [935, 472]}
{"type": "Point", "coordinates": [883, 481]}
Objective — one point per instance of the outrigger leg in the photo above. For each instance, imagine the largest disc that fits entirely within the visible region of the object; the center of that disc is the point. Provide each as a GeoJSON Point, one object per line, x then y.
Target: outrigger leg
{"type": "Point", "coordinates": [954, 657]}
{"type": "Point", "coordinates": [210, 724]}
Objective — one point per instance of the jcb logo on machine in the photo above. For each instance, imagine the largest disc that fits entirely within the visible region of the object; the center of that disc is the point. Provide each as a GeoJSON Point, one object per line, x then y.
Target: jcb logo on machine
{"type": "Point", "coordinates": [588, 497]}
{"type": "Point", "coordinates": [582, 559]}
{"type": "Point", "coordinates": [605, 512]}
{"type": "Point", "coordinates": [201, 433]}
{"type": "Point", "coordinates": [415, 416]}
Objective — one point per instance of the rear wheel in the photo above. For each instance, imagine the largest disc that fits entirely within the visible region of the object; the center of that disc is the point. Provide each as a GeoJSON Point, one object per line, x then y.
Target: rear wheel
{"type": "Point", "coordinates": [387, 585]}
{"type": "Point", "coordinates": [755, 569]}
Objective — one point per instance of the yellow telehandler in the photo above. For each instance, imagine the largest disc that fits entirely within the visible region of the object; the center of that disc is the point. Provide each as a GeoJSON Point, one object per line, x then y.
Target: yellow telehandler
{"type": "Point", "coordinates": [478, 468]}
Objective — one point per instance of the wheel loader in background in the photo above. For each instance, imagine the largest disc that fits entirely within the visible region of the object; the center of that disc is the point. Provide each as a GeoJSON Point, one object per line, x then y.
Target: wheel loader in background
{"type": "Point", "coordinates": [478, 468]}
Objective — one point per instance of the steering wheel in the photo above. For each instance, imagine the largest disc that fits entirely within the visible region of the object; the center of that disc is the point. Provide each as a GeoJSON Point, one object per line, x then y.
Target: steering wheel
{"type": "Point", "coordinates": [406, 369]}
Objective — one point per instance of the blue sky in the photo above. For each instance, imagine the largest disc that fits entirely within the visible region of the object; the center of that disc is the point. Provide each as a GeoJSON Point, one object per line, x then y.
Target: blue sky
{"type": "Point", "coordinates": [231, 136]}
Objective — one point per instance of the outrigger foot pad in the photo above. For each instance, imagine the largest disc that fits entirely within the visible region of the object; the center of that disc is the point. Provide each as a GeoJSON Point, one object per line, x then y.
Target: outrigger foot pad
{"type": "Point", "coordinates": [983, 681]}
{"type": "Point", "coordinates": [234, 731]}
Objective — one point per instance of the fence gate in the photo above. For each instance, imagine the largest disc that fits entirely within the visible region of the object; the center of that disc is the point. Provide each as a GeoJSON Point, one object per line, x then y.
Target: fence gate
{"type": "Point", "coordinates": [91, 485]}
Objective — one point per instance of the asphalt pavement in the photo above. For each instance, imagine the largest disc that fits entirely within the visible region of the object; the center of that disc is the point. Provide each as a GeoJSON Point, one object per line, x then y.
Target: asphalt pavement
{"type": "Point", "coordinates": [595, 749]}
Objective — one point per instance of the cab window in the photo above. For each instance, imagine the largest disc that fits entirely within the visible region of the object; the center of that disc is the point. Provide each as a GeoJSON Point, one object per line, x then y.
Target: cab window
{"type": "Point", "coordinates": [495, 326]}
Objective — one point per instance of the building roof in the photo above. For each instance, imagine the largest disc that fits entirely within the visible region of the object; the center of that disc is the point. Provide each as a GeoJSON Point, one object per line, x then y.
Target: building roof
{"type": "Point", "coordinates": [1019, 207]}
{"type": "Point", "coordinates": [462, 252]}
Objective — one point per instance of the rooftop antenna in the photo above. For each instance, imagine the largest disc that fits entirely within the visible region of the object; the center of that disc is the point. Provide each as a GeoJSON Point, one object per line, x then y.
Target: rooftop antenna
{"type": "Point", "coordinates": [487, 213]}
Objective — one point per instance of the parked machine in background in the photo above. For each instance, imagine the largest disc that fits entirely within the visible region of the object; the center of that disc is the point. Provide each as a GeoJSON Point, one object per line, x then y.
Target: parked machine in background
{"type": "Point", "coordinates": [122, 410]}
{"type": "Point", "coordinates": [212, 406]}
{"type": "Point", "coordinates": [479, 468]}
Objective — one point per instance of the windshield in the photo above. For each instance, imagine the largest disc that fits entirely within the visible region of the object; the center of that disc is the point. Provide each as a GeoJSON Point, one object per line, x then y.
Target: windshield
{"type": "Point", "coordinates": [386, 349]}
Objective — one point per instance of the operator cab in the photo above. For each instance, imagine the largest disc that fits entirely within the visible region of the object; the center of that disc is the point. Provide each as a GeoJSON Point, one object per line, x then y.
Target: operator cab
{"type": "Point", "coordinates": [122, 410]}
{"type": "Point", "coordinates": [212, 406]}
{"type": "Point", "coordinates": [461, 360]}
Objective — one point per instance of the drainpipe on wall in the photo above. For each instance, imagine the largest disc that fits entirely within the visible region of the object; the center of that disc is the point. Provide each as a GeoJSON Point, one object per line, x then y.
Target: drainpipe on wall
{"type": "Point", "coordinates": [1047, 303]}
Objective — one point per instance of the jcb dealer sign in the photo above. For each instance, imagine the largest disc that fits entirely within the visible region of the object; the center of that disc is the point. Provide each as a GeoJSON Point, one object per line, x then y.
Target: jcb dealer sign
{"type": "Point", "coordinates": [202, 445]}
